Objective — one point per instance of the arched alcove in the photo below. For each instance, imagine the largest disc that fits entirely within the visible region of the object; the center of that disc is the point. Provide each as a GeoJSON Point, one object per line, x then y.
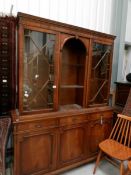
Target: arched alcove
{"type": "Point", "coordinates": [73, 62]}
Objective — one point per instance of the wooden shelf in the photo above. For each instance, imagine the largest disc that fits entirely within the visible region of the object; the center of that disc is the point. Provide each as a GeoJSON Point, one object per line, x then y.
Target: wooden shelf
{"type": "Point", "coordinates": [71, 86]}
{"type": "Point", "coordinates": [70, 107]}
{"type": "Point", "coordinates": [74, 65]}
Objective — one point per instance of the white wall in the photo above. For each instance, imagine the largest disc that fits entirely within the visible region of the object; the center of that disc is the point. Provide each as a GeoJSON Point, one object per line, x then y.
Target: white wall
{"type": "Point", "coordinates": [118, 28]}
{"type": "Point", "coordinates": [124, 66]}
{"type": "Point", "coordinates": [92, 14]}
{"type": "Point", "coordinates": [108, 16]}
{"type": "Point", "coordinates": [128, 24]}
{"type": "Point", "coordinates": [126, 61]}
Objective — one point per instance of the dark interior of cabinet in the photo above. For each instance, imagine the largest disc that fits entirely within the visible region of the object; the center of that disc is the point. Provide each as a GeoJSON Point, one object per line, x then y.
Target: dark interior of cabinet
{"type": "Point", "coordinates": [72, 73]}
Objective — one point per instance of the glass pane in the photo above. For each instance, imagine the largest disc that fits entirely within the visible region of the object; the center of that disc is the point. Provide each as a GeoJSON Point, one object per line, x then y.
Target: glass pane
{"type": "Point", "coordinates": [100, 70]}
{"type": "Point", "coordinates": [38, 70]}
{"type": "Point", "coordinates": [72, 74]}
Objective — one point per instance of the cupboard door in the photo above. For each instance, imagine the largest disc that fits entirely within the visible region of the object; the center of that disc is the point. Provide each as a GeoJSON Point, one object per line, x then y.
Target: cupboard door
{"type": "Point", "coordinates": [72, 146]}
{"type": "Point", "coordinates": [98, 131]}
{"type": "Point", "coordinates": [36, 153]}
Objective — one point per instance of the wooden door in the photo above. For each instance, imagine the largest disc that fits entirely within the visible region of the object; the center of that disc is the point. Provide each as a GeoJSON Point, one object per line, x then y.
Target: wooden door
{"type": "Point", "coordinates": [35, 153]}
{"type": "Point", "coordinates": [98, 131]}
{"type": "Point", "coordinates": [72, 145]}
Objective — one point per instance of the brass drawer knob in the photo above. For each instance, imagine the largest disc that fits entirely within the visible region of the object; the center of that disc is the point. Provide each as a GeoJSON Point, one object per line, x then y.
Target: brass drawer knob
{"type": "Point", "coordinates": [38, 126]}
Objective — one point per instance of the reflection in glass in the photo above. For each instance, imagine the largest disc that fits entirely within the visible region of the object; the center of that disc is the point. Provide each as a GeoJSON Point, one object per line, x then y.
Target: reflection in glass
{"type": "Point", "coordinates": [38, 70]}
{"type": "Point", "coordinates": [100, 73]}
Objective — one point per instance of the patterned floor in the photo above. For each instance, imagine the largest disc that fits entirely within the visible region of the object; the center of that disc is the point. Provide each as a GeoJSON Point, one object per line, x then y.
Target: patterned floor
{"type": "Point", "coordinates": [105, 168]}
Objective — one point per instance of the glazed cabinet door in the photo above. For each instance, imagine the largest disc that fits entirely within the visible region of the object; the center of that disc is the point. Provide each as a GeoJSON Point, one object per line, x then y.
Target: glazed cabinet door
{"type": "Point", "coordinates": [72, 144]}
{"type": "Point", "coordinates": [37, 69]}
{"type": "Point", "coordinates": [100, 74]}
{"type": "Point", "coordinates": [98, 130]}
{"type": "Point", "coordinates": [35, 153]}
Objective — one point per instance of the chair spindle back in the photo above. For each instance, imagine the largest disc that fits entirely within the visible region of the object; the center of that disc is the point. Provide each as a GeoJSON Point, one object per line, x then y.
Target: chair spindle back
{"type": "Point", "coordinates": [122, 130]}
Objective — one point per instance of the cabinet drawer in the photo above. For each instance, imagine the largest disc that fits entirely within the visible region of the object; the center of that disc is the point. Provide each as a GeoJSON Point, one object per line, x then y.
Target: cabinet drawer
{"type": "Point", "coordinates": [35, 125]}
{"type": "Point", "coordinates": [101, 115]}
{"type": "Point", "coordinates": [73, 120]}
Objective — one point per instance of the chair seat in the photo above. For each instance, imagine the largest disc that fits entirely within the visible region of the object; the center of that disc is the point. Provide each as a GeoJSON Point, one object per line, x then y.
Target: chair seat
{"type": "Point", "coordinates": [115, 149]}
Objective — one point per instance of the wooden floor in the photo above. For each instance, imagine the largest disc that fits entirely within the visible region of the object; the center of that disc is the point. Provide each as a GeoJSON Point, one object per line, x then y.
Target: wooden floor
{"type": "Point", "coordinates": [105, 168]}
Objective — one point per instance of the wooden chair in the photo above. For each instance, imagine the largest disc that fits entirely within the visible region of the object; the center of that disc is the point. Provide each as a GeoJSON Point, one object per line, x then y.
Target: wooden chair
{"type": "Point", "coordinates": [129, 168]}
{"type": "Point", "coordinates": [5, 124]}
{"type": "Point", "coordinates": [118, 146]}
{"type": "Point", "coordinates": [119, 143]}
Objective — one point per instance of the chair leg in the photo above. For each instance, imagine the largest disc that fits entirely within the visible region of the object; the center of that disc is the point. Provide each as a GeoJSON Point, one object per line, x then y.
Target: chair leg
{"type": "Point", "coordinates": [121, 168]}
{"type": "Point", "coordinates": [127, 172]}
{"type": "Point", "coordinates": [97, 161]}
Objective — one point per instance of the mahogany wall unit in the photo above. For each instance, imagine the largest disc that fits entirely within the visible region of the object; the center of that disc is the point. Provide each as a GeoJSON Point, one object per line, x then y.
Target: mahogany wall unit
{"type": "Point", "coordinates": [63, 93]}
